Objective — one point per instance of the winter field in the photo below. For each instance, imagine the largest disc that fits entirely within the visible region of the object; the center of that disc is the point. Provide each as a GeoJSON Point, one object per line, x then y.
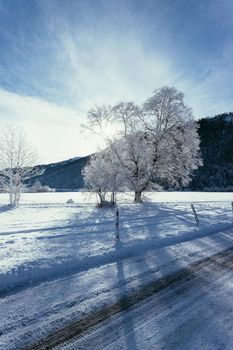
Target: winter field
{"type": "Point", "coordinates": [59, 261]}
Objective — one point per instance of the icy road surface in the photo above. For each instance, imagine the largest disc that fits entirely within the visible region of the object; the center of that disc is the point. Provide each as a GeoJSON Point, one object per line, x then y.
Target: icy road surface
{"type": "Point", "coordinates": [196, 312]}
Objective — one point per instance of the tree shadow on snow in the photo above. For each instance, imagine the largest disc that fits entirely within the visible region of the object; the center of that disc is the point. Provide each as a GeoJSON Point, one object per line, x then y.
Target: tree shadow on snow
{"type": "Point", "coordinates": [4, 208]}
{"type": "Point", "coordinates": [127, 324]}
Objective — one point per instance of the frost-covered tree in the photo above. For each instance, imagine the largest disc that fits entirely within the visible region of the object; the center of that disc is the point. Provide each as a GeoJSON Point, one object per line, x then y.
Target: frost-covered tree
{"type": "Point", "coordinates": [100, 121]}
{"type": "Point", "coordinates": [174, 140]}
{"type": "Point", "coordinates": [126, 116]}
{"type": "Point", "coordinates": [127, 150]}
{"type": "Point", "coordinates": [36, 187]}
{"type": "Point", "coordinates": [101, 176]}
{"type": "Point", "coordinates": [131, 150]}
{"type": "Point", "coordinates": [155, 144]}
{"type": "Point", "coordinates": [134, 158]}
{"type": "Point", "coordinates": [17, 163]}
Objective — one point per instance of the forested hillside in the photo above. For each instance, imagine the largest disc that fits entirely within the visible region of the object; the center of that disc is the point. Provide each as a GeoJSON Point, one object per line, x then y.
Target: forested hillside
{"type": "Point", "coordinates": [216, 136]}
{"type": "Point", "coordinates": [66, 175]}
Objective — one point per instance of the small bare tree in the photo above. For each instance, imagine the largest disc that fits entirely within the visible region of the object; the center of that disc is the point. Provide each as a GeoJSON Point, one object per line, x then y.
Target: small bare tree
{"type": "Point", "coordinates": [17, 163]}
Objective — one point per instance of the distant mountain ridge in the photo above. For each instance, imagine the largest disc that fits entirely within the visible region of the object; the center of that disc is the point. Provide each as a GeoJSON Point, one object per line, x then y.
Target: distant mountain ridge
{"type": "Point", "coordinates": [64, 161]}
{"type": "Point", "coordinates": [216, 174]}
{"type": "Point", "coordinates": [65, 175]}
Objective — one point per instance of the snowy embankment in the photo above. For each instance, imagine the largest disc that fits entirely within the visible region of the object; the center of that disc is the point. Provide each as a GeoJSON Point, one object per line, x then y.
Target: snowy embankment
{"type": "Point", "coordinates": [46, 238]}
{"type": "Point", "coordinates": [66, 262]}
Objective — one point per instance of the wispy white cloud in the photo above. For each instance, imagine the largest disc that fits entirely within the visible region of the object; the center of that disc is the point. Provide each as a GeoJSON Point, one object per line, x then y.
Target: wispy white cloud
{"type": "Point", "coordinates": [53, 130]}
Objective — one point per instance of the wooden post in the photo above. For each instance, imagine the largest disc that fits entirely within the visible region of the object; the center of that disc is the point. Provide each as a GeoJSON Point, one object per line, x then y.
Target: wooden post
{"type": "Point", "coordinates": [195, 215]}
{"type": "Point", "coordinates": [117, 223]}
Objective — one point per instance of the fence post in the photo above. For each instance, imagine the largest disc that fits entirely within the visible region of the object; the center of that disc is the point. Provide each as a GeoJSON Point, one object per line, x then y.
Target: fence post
{"type": "Point", "coordinates": [117, 223]}
{"type": "Point", "coordinates": [195, 215]}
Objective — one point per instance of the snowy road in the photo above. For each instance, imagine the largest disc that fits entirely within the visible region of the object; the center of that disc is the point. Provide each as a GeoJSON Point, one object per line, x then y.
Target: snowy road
{"type": "Point", "coordinates": [195, 312]}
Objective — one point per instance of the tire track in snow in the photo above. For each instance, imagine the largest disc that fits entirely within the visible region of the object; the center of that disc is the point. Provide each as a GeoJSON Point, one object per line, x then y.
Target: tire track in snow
{"type": "Point", "coordinates": [216, 262]}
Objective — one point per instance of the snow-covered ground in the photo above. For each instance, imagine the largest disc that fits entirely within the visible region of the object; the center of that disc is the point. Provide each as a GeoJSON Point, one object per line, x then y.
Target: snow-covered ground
{"type": "Point", "coordinates": [60, 261]}
{"type": "Point", "coordinates": [194, 313]}
{"type": "Point", "coordinates": [45, 237]}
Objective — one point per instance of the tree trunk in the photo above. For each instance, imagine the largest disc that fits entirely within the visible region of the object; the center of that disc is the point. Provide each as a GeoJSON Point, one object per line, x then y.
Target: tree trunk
{"type": "Point", "coordinates": [113, 198]}
{"type": "Point", "coordinates": [17, 195]}
{"type": "Point", "coordinates": [137, 196]}
{"type": "Point", "coordinates": [100, 204]}
{"type": "Point", "coordinates": [101, 196]}
{"type": "Point", "coordinates": [11, 192]}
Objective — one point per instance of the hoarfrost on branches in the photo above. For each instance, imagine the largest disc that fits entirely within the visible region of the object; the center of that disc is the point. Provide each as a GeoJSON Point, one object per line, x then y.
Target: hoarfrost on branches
{"type": "Point", "coordinates": [101, 176]}
{"type": "Point", "coordinates": [156, 144]}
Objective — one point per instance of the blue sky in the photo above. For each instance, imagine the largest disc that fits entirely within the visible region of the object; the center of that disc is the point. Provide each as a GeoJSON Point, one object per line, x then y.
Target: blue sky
{"type": "Point", "coordinates": [60, 57]}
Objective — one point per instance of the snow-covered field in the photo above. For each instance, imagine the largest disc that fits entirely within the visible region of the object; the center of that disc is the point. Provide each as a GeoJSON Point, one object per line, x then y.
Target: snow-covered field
{"type": "Point", "coordinates": [64, 257]}
{"type": "Point", "coordinates": [45, 237]}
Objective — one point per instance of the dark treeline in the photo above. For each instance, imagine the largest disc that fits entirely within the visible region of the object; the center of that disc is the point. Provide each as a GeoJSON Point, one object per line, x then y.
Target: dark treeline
{"type": "Point", "coordinates": [216, 136]}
